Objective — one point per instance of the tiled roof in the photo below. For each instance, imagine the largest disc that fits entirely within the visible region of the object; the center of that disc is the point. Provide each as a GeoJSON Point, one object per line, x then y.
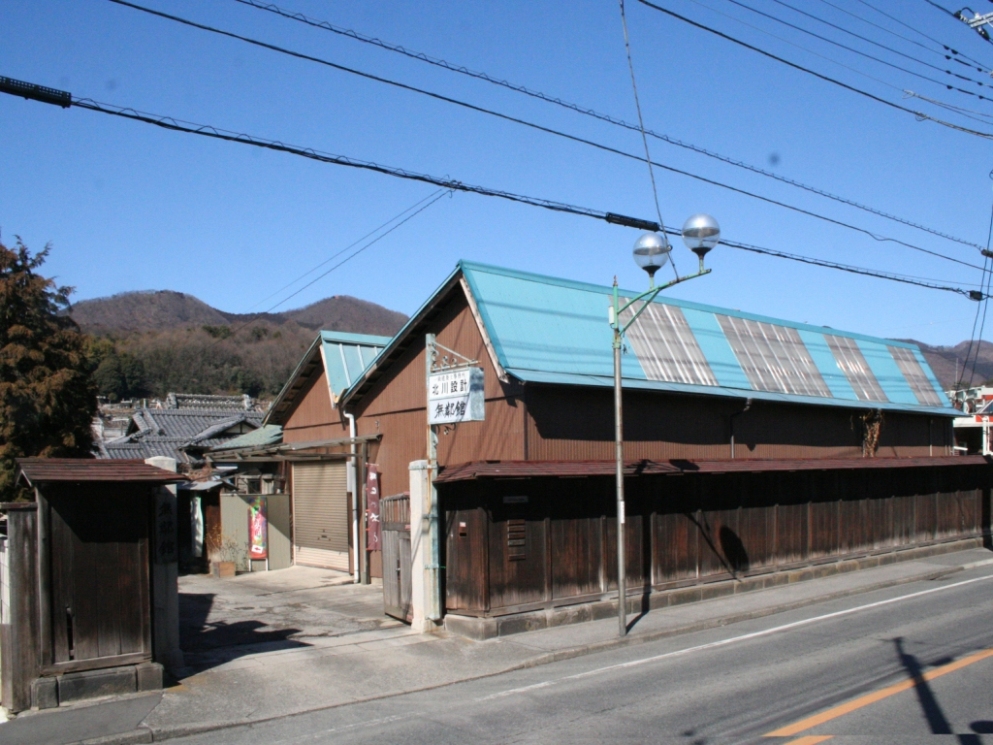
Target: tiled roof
{"type": "Point", "coordinates": [168, 431]}
{"type": "Point", "coordinates": [42, 470]}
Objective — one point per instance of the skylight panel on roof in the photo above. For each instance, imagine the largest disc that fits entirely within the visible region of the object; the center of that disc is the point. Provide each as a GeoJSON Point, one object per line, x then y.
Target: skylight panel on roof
{"type": "Point", "coordinates": [852, 362]}
{"type": "Point", "coordinates": [915, 376]}
{"type": "Point", "coordinates": [665, 346]}
{"type": "Point", "coordinates": [773, 357]}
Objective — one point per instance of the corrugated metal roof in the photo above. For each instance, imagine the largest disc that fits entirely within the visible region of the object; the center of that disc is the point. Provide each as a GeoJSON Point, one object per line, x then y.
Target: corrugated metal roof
{"type": "Point", "coordinates": [550, 330]}
{"type": "Point", "coordinates": [577, 469]}
{"type": "Point", "coordinates": [268, 434]}
{"type": "Point", "coordinates": [343, 357]}
{"type": "Point", "coordinates": [346, 356]}
{"type": "Point", "coordinates": [42, 470]}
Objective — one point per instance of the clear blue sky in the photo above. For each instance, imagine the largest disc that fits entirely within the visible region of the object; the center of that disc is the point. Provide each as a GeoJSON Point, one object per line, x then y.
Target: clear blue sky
{"type": "Point", "coordinates": [128, 206]}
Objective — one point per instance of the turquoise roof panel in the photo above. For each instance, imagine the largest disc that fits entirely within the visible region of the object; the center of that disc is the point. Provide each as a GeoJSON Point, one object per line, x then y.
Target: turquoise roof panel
{"type": "Point", "coordinates": [550, 330]}
{"type": "Point", "coordinates": [887, 372]}
{"type": "Point", "coordinates": [827, 365]}
{"type": "Point", "coordinates": [346, 357]}
{"type": "Point", "coordinates": [545, 327]}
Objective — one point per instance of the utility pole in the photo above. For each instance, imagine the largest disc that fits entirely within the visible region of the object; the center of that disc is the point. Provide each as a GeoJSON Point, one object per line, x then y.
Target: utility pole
{"type": "Point", "coordinates": [977, 21]}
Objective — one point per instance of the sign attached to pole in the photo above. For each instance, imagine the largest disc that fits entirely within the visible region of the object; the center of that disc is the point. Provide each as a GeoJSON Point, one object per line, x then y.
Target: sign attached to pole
{"type": "Point", "coordinates": [374, 539]}
{"type": "Point", "coordinates": [456, 396]}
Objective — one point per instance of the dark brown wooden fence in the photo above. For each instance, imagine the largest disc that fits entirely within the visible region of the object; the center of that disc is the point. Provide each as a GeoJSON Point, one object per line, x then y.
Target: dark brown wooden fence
{"type": "Point", "coordinates": [531, 543]}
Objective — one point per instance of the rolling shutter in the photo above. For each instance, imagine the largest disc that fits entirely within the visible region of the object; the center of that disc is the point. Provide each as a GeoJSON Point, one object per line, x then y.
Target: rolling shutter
{"type": "Point", "coordinates": [320, 515]}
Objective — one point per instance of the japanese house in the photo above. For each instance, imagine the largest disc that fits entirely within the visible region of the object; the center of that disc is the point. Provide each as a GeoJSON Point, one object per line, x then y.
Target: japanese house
{"type": "Point", "coordinates": [753, 445]}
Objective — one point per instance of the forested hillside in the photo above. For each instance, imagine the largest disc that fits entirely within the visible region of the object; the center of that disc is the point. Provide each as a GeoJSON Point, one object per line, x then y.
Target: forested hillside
{"type": "Point", "coordinates": [146, 344]}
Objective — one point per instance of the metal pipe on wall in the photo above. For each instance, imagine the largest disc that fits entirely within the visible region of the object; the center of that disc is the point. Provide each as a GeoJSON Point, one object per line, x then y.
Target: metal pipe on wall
{"type": "Point", "coordinates": [748, 405]}
{"type": "Point", "coordinates": [352, 464]}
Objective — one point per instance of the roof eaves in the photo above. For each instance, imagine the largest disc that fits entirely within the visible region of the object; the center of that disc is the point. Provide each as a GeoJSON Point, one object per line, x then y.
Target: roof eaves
{"type": "Point", "coordinates": [398, 342]}
{"type": "Point", "coordinates": [284, 396]}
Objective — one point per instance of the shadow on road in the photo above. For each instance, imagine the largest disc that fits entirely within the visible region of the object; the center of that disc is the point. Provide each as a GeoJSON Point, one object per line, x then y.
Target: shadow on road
{"type": "Point", "coordinates": [932, 710]}
{"type": "Point", "coordinates": [207, 644]}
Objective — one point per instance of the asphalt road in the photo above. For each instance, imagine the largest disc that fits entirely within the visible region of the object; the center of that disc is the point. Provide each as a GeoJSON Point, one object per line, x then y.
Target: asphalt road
{"type": "Point", "coordinates": [902, 665]}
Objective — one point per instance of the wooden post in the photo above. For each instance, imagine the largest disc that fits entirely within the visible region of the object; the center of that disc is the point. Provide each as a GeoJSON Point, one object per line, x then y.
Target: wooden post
{"type": "Point", "coordinates": [19, 633]}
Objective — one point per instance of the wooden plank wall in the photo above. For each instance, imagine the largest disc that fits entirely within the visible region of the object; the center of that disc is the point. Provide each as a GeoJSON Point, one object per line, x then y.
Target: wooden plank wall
{"type": "Point", "coordinates": [19, 631]}
{"type": "Point", "coordinates": [506, 555]}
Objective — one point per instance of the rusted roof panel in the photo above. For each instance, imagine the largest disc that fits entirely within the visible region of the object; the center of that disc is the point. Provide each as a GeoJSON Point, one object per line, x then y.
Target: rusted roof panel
{"type": "Point", "coordinates": [42, 470]}
{"type": "Point", "coordinates": [576, 469]}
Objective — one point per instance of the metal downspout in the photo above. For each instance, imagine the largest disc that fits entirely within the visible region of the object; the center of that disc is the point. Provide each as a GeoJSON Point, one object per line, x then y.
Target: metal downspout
{"type": "Point", "coordinates": [353, 463]}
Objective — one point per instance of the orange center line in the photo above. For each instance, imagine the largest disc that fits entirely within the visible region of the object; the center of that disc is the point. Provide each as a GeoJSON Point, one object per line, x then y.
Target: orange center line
{"type": "Point", "coordinates": [810, 740]}
{"type": "Point", "coordinates": [871, 698]}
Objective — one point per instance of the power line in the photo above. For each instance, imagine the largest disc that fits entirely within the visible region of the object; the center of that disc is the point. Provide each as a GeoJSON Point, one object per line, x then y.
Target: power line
{"type": "Point", "coordinates": [944, 46]}
{"type": "Point", "coordinates": [641, 125]}
{"type": "Point", "coordinates": [881, 45]}
{"type": "Point", "coordinates": [857, 51]}
{"type": "Point", "coordinates": [821, 76]}
{"type": "Point", "coordinates": [540, 128]}
{"type": "Point", "coordinates": [984, 304]}
{"type": "Point", "coordinates": [346, 248]}
{"type": "Point", "coordinates": [35, 92]}
{"type": "Point", "coordinates": [948, 53]}
{"type": "Point", "coordinates": [422, 57]}
{"type": "Point", "coordinates": [436, 196]}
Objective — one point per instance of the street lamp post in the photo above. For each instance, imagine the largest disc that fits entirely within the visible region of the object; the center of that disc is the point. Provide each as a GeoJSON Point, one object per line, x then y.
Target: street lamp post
{"type": "Point", "coordinates": [651, 251]}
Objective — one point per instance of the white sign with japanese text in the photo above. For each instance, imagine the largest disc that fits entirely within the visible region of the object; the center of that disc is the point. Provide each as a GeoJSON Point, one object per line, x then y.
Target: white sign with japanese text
{"type": "Point", "coordinates": [456, 396]}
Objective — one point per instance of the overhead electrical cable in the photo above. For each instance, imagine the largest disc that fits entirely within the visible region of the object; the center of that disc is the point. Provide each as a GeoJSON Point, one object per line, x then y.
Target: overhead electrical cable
{"type": "Point", "coordinates": [422, 57]}
{"type": "Point", "coordinates": [820, 76]}
{"type": "Point", "coordinates": [542, 128]}
{"type": "Point", "coordinates": [351, 245]}
{"type": "Point", "coordinates": [436, 196]}
{"type": "Point", "coordinates": [983, 305]}
{"type": "Point", "coordinates": [641, 126]}
{"type": "Point", "coordinates": [859, 52]}
{"type": "Point", "coordinates": [946, 52]}
{"type": "Point", "coordinates": [66, 100]}
{"type": "Point", "coordinates": [981, 66]}
{"type": "Point", "coordinates": [890, 49]}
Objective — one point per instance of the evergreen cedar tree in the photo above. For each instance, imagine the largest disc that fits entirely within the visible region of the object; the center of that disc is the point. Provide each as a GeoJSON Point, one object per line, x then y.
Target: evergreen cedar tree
{"type": "Point", "coordinates": [47, 395]}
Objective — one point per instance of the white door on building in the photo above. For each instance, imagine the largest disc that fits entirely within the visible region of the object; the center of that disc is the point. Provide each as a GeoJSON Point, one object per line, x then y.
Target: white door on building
{"type": "Point", "coordinates": [320, 515]}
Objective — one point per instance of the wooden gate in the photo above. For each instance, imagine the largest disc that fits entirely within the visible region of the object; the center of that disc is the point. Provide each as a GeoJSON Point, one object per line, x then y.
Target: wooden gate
{"type": "Point", "coordinates": [395, 522]}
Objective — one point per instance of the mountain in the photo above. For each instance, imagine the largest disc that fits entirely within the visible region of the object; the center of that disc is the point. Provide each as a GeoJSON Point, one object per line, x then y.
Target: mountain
{"type": "Point", "coordinates": [159, 310]}
{"type": "Point", "coordinates": [150, 343]}
{"type": "Point", "coordinates": [947, 363]}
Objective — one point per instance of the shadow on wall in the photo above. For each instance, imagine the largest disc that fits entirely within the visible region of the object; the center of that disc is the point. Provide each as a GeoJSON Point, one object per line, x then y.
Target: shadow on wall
{"type": "Point", "coordinates": [207, 644]}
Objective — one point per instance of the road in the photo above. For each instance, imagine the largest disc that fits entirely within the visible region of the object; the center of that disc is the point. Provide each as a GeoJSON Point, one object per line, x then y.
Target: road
{"type": "Point", "coordinates": [899, 665]}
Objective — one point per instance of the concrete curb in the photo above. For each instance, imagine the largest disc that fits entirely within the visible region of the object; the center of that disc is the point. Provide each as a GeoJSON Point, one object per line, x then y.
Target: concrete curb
{"type": "Point", "coordinates": [161, 734]}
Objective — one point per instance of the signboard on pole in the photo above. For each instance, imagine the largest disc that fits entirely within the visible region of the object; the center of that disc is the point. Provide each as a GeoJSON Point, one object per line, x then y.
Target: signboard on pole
{"type": "Point", "coordinates": [374, 540]}
{"type": "Point", "coordinates": [456, 396]}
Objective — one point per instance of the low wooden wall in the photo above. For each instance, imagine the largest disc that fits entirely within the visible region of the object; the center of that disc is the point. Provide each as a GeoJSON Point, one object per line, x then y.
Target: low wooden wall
{"type": "Point", "coordinates": [520, 545]}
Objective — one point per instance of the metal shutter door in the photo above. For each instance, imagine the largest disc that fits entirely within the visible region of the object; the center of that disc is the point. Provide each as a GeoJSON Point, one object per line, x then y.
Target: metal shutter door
{"type": "Point", "coordinates": [320, 515]}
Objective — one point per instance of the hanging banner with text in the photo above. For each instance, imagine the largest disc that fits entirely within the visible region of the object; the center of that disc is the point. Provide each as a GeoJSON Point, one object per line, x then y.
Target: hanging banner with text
{"type": "Point", "coordinates": [456, 396]}
{"type": "Point", "coordinates": [374, 536]}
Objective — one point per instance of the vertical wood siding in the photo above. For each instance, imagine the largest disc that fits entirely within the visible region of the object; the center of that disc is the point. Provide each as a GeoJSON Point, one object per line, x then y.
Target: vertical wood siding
{"type": "Point", "coordinates": [558, 547]}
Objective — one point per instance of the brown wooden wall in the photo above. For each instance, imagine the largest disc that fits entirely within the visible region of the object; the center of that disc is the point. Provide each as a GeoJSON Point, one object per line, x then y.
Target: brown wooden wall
{"type": "Point", "coordinates": [572, 423]}
{"type": "Point", "coordinates": [313, 418]}
{"type": "Point", "coordinates": [504, 555]}
{"type": "Point", "coordinates": [396, 407]}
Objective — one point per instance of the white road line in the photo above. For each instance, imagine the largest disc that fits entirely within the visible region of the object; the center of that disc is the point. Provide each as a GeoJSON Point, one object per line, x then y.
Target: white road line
{"type": "Point", "coordinates": [732, 640]}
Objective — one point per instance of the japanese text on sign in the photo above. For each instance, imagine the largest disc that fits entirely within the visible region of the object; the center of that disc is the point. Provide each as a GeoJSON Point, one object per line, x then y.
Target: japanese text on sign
{"type": "Point", "coordinates": [456, 396]}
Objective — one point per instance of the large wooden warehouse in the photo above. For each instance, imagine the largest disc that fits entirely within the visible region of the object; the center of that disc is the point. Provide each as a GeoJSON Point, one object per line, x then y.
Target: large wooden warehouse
{"type": "Point", "coordinates": [753, 445]}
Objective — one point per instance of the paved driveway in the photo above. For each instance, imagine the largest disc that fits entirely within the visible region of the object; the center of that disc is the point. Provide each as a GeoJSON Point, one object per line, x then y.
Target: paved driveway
{"type": "Point", "coordinates": [221, 619]}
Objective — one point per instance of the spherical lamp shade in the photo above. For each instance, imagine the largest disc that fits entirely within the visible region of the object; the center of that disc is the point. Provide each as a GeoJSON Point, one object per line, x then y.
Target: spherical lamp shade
{"type": "Point", "coordinates": [651, 251]}
{"type": "Point", "coordinates": [701, 233]}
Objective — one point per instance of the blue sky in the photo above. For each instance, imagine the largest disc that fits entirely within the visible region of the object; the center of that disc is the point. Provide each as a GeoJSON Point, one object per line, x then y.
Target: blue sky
{"type": "Point", "coordinates": [128, 206]}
